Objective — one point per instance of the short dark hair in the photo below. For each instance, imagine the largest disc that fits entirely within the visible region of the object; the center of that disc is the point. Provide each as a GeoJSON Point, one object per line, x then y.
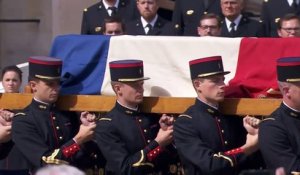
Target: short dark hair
{"type": "Point", "coordinates": [210, 16]}
{"type": "Point", "coordinates": [12, 68]}
{"type": "Point", "coordinates": [113, 19]}
{"type": "Point", "coordinates": [287, 17]}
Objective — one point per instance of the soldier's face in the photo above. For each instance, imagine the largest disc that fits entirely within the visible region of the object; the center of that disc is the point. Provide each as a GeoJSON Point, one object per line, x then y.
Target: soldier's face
{"type": "Point", "coordinates": [209, 27]}
{"type": "Point", "coordinates": [289, 28]}
{"type": "Point", "coordinates": [147, 8]}
{"type": "Point", "coordinates": [130, 93]}
{"type": "Point", "coordinates": [113, 28]}
{"type": "Point", "coordinates": [231, 8]}
{"type": "Point", "coordinates": [293, 94]}
{"type": "Point", "coordinates": [45, 91]}
{"type": "Point", "coordinates": [11, 82]}
{"type": "Point", "coordinates": [211, 89]}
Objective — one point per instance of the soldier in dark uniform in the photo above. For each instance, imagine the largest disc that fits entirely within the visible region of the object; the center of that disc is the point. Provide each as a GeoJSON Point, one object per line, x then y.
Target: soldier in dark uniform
{"type": "Point", "coordinates": [207, 142]}
{"type": "Point", "coordinates": [149, 22]}
{"type": "Point", "coordinates": [11, 160]}
{"type": "Point", "coordinates": [273, 10]}
{"type": "Point", "coordinates": [279, 135]}
{"type": "Point", "coordinates": [133, 142]}
{"type": "Point", "coordinates": [237, 25]}
{"type": "Point", "coordinates": [187, 14]}
{"type": "Point", "coordinates": [43, 134]}
{"type": "Point", "coordinates": [93, 17]}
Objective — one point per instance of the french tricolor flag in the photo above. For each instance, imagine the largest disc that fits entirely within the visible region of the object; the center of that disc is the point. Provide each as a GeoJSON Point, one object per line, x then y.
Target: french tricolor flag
{"type": "Point", "coordinates": [252, 62]}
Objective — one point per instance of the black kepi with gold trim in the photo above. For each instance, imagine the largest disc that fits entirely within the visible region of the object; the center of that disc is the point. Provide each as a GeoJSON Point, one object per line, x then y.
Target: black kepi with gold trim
{"type": "Point", "coordinates": [208, 66]}
{"type": "Point", "coordinates": [127, 70]}
{"type": "Point", "coordinates": [288, 69]}
{"type": "Point", "coordinates": [45, 68]}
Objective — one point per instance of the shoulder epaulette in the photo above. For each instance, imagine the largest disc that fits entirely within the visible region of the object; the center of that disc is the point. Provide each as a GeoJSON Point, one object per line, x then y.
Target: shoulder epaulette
{"type": "Point", "coordinates": [20, 114]}
{"type": "Point", "coordinates": [105, 119]}
{"type": "Point", "coordinates": [267, 119]}
{"type": "Point", "coordinates": [184, 115]}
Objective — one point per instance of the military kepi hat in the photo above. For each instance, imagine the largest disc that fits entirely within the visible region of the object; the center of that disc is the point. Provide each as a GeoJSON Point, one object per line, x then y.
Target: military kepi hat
{"type": "Point", "coordinates": [288, 69]}
{"type": "Point", "coordinates": [45, 68]}
{"type": "Point", "coordinates": [127, 70]}
{"type": "Point", "coordinates": [204, 67]}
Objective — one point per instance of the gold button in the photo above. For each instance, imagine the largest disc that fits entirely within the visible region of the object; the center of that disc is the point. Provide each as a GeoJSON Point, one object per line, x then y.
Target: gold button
{"type": "Point", "coordinates": [222, 131]}
{"type": "Point", "coordinates": [140, 120]}
{"type": "Point", "coordinates": [53, 118]}
{"type": "Point", "coordinates": [226, 142]}
{"type": "Point", "coordinates": [219, 120]}
{"type": "Point", "coordinates": [60, 137]}
{"type": "Point", "coordinates": [145, 130]}
{"type": "Point", "coordinates": [57, 127]}
{"type": "Point", "coordinates": [148, 141]}
{"type": "Point", "coordinates": [95, 156]}
{"type": "Point", "coordinates": [154, 152]}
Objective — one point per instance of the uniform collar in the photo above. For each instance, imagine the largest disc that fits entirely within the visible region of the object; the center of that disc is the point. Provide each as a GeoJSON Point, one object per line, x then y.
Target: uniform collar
{"type": "Point", "coordinates": [126, 110]}
{"type": "Point", "coordinates": [236, 21]}
{"type": "Point", "coordinates": [144, 22]}
{"type": "Point", "coordinates": [291, 2]}
{"type": "Point", "coordinates": [106, 5]}
{"type": "Point", "coordinates": [210, 109]}
{"type": "Point", "coordinates": [290, 111]}
{"type": "Point", "coordinates": [42, 105]}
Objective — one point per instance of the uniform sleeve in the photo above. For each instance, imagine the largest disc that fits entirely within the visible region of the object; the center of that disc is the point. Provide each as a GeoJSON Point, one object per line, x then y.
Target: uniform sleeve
{"type": "Point", "coordinates": [5, 148]}
{"type": "Point", "coordinates": [32, 145]}
{"type": "Point", "coordinates": [194, 151]}
{"type": "Point", "coordinates": [84, 23]}
{"type": "Point", "coordinates": [276, 148]}
{"type": "Point", "coordinates": [265, 18]}
{"type": "Point", "coordinates": [117, 155]}
{"type": "Point", "coordinates": [177, 18]}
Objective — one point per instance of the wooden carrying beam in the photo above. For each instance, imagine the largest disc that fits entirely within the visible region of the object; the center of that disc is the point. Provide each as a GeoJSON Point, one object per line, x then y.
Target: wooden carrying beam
{"type": "Point", "coordinates": [242, 106]}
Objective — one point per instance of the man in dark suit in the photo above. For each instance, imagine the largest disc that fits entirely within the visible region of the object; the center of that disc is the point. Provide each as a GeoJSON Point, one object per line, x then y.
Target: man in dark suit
{"type": "Point", "coordinates": [273, 10]}
{"type": "Point", "coordinates": [45, 135]}
{"type": "Point", "coordinates": [209, 25]}
{"type": "Point", "coordinates": [289, 26]}
{"type": "Point", "coordinates": [187, 14]}
{"type": "Point", "coordinates": [237, 25]}
{"type": "Point", "coordinates": [113, 26]}
{"type": "Point", "coordinates": [134, 142]}
{"type": "Point", "coordinates": [93, 17]}
{"type": "Point", "coordinates": [279, 135]}
{"type": "Point", "coordinates": [149, 22]}
{"type": "Point", "coordinates": [208, 142]}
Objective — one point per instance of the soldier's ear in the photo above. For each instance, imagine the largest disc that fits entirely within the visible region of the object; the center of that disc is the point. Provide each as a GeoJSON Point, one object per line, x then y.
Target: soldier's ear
{"type": "Point", "coordinates": [196, 83]}
{"type": "Point", "coordinates": [33, 85]}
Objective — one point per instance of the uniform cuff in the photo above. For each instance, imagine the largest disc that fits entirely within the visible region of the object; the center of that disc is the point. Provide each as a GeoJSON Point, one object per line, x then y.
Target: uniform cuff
{"type": "Point", "coordinates": [70, 148]}
{"type": "Point", "coordinates": [153, 150]}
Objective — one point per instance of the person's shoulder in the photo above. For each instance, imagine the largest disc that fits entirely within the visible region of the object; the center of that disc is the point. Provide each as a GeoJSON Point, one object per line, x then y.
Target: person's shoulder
{"type": "Point", "coordinates": [93, 8]}
{"type": "Point", "coordinates": [187, 115]}
{"type": "Point", "coordinates": [109, 117]}
{"type": "Point", "coordinates": [20, 114]}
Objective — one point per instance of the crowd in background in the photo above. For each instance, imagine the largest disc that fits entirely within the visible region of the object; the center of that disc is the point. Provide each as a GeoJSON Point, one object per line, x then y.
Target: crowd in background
{"type": "Point", "coordinates": [140, 17]}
